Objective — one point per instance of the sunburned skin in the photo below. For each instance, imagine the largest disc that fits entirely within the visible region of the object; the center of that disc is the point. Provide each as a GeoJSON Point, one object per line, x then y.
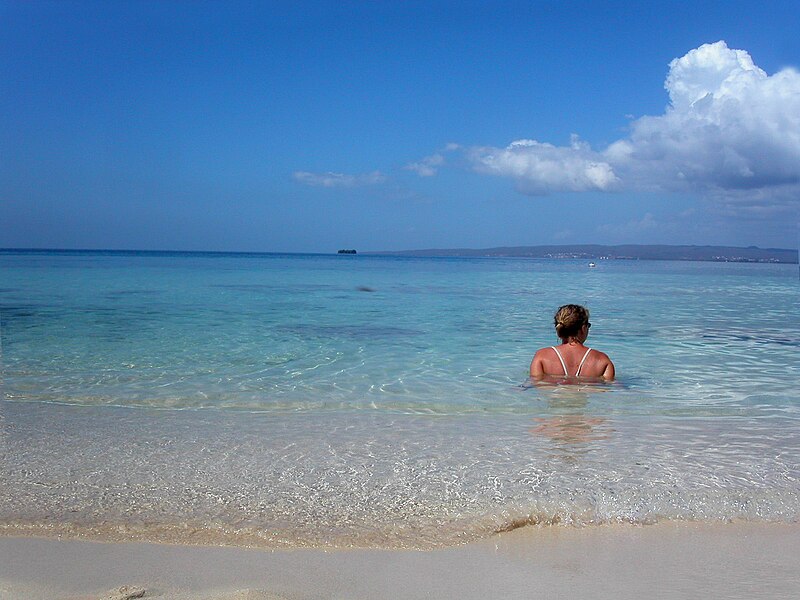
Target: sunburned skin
{"type": "Point", "coordinates": [581, 363]}
{"type": "Point", "coordinates": [564, 380]}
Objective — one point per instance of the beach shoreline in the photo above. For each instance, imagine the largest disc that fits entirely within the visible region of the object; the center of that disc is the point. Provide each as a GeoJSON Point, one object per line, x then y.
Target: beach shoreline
{"type": "Point", "coordinates": [665, 560]}
{"type": "Point", "coordinates": [370, 480]}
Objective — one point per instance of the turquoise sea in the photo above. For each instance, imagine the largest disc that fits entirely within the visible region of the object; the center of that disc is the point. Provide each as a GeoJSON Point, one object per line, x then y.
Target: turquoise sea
{"type": "Point", "coordinates": [324, 400]}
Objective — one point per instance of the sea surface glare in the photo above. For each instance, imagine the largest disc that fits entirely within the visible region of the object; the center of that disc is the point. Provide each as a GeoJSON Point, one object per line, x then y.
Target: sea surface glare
{"type": "Point", "coordinates": [315, 400]}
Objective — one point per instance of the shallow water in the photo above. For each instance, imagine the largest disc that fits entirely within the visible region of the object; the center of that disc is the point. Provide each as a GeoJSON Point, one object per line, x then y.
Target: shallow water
{"type": "Point", "coordinates": [380, 401]}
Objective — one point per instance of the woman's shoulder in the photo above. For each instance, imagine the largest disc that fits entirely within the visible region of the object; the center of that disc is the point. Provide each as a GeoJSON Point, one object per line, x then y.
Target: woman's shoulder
{"type": "Point", "coordinates": [543, 351]}
{"type": "Point", "coordinates": [599, 356]}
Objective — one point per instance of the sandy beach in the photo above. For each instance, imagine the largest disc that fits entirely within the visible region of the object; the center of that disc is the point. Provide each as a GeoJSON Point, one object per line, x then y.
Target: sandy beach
{"type": "Point", "coordinates": [671, 560]}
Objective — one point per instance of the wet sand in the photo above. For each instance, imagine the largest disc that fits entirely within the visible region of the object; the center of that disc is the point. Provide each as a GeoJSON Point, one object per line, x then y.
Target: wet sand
{"type": "Point", "coordinates": [670, 560]}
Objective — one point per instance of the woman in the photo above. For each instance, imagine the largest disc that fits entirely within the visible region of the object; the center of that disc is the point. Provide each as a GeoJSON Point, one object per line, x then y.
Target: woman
{"type": "Point", "coordinates": [571, 358]}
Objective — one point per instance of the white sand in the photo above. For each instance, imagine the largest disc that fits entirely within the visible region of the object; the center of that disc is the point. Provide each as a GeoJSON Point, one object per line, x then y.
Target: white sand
{"type": "Point", "coordinates": [661, 561]}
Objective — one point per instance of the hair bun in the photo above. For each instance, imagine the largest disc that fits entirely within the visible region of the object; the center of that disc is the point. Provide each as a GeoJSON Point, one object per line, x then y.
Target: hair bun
{"type": "Point", "coordinates": [569, 319]}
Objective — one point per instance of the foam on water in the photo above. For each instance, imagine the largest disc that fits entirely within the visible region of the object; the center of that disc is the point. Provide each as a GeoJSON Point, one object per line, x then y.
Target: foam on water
{"type": "Point", "coordinates": [380, 480]}
{"type": "Point", "coordinates": [271, 400]}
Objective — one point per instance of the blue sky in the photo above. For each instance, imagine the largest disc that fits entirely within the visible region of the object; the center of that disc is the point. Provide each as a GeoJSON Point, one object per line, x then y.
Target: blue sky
{"type": "Point", "coordinates": [313, 126]}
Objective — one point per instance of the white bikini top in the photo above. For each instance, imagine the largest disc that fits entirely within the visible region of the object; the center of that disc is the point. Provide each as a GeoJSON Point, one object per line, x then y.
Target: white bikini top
{"type": "Point", "coordinates": [563, 364]}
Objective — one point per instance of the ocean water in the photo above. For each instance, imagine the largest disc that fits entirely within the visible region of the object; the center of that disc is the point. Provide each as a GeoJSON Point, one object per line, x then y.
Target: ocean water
{"type": "Point", "coordinates": [315, 400]}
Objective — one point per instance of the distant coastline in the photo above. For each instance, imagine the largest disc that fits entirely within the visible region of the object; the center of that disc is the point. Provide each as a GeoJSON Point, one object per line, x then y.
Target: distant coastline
{"type": "Point", "coordinates": [750, 254]}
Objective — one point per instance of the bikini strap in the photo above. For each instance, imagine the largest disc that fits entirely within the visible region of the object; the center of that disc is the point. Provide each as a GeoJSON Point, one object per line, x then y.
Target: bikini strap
{"type": "Point", "coordinates": [583, 360]}
{"type": "Point", "coordinates": [563, 364]}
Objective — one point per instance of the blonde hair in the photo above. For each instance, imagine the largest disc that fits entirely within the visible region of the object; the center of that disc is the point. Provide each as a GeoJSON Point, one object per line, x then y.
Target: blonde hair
{"type": "Point", "coordinates": [569, 319]}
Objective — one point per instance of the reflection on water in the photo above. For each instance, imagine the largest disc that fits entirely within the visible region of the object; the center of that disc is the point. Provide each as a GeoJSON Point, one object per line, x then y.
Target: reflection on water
{"type": "Point", "coordinates": [570, 428]}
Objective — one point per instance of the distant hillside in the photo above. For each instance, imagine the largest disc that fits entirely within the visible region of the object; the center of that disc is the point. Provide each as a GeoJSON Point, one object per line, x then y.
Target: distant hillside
{"type": "Point", "coordinates": [624, 252]}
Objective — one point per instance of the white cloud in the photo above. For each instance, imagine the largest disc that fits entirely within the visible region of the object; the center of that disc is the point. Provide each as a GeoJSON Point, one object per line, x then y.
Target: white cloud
{"type": "Point", "coordinates": [539, 168]}
{"type": "Point", "coordinates": [332, 180]}
{"type": "Point", "coordinates": [731, 132]}
{"type": "Point", "coordinates": [428, 166]}
{"type": "Point", "coordinates": [729, 126]}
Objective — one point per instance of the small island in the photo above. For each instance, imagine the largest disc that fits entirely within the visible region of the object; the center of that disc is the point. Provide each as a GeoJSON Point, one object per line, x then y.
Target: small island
{"type": "Point", "coordinates": [347, 252]}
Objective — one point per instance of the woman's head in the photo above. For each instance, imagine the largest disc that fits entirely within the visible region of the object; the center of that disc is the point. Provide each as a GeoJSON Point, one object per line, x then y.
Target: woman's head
{"type": "Point", "coordinates": [569, 320]}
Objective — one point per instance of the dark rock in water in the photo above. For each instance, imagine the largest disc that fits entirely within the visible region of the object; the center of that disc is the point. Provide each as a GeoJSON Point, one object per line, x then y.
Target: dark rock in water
{"type": "Point", "coordinates": [347, 252]}
{"type": "Point", "coordinates": [126, 592]}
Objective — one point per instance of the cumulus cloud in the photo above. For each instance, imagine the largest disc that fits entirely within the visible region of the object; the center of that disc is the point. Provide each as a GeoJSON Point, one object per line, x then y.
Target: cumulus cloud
{"type": "Point", "coordinates": [539, 168]}
{"type": "Point", "coordinates": [730, 131]}
{"type": "Point", "coordinates": [333, 180]}
{"type": "Point", "coordinates": [428, 166]}
{"type": "Point", "coordinates": [729, 126]}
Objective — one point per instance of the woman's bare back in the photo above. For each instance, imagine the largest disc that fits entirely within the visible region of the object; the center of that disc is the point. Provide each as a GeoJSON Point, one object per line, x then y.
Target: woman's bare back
{"type": "Point", "coordinates": [595, 364]}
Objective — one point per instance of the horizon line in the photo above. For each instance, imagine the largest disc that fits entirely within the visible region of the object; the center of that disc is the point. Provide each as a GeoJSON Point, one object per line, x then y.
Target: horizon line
{"type": "Point", "coordinates": [427, 249]}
